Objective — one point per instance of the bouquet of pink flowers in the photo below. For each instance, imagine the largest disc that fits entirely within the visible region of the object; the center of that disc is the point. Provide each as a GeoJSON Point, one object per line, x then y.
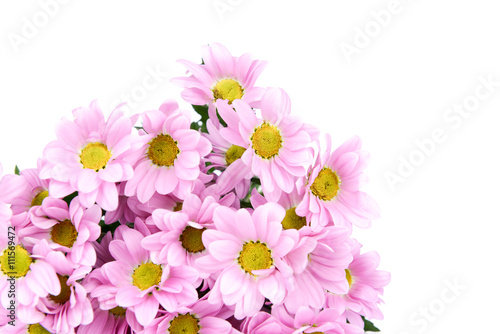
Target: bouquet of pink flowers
{"type": "Point", "coordinates": [237, 223]}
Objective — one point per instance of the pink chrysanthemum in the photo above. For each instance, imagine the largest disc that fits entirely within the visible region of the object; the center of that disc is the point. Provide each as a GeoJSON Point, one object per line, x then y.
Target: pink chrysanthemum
{"type": "Point", "coordinates": [319, 263]}
{"type": "Point", "coordinates": [201, 317]}
{"type": "Point", "coordinates": [11, 187]}
{"type": "Point", "coordinates": [262, 323]}
{"type": "Point", "coordinates": [138, 283]}
{"type": "Point", "coordinates": [225, 157]}
{"type": "Point", "coordinates": [276, 146]}
{"type": "Point", "coordinates": [21, 327]}
{"type": "Point", "coordinates": [246, 255]}
{"type": "Point", "coordinates": [107, 314]}
{"type": "Point", "coordinates": [68, 309]}
{"type": "Point", "coordinates": [90, 155]}
{"type": "Point", "coordinates": [289, 202]}
{"type": "Point", "coordinates": [180, 239]}
{"type": "Point", "coordinates": [130, 208]}
{"type": "Point", "coordinates": [366, 284]}
{"type": "Point", "coordinates": [306, 320]}
{"type": "Point", "coordinates": [70, 230]}
{"type": "Point", "coordinates": [106, 321]}
{"type": "Point", "coordinates": [171, 154]}
{"type": "Point", "coordinates": [332, 188]}
{"type": "Point", "coordinates": [221, 77]}
{"type": "Point", "coordinates": [35, 192]}
{"type": "Point", "coordinates": [33, 275]}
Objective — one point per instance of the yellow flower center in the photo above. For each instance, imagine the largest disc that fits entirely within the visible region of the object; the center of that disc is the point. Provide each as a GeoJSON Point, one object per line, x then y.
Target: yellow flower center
{"type": "Point", "coordinates": [234, 153]}
{"type": "Point", "coordinates": [178, 207]}
{"type": "Point", "coordinates": [37, 329]}
{"type": "Point", "coordinates": [163, 150]}
{"type": "Point", "coordinates": [147, 275]}
{"type": "Point", "coordinates": [64, 233]}
{"type": "Point", "coordinates": [348, 277]}
{"type": "Point", "coordinates": [255, 255]}
{"type": "Point", "coordinates": [15, 262]}
{"type": "Point", "coordinates": [65, 293]}
{"type": "Point", "coordinates": [266, 140]}
{"type": "Point", "coordinates": [95, 156]}
{"type": "Point", "coordinates": [292, 220]}
{"type": "Point", "coordinates": [38, 199]}
{"type": "Point", "coordinates": [228, 89]}
{"type": "Point", "coordinates": [326, 185]}
{"type": "Point", "coordinates": [191, 239]}
{"type": "Point", "coordinates": [118, 311]}
{"type": "Point", "coordinates": [184, 324]}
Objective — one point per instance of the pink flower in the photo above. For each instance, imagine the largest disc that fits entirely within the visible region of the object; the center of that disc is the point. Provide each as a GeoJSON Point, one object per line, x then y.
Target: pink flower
{"type": "Point", "coordinates": [289, 202]}
{"type": "Point", "coordinates": [366, 284]}
{"type": "Point", "coordinates": [63, 311]}
{"type": "Point", "coordinates": [130, 208]}
{"type": "Point", "coordinates": [227, 158]}
{"type": "Point", "coordinates": [171, 155]}
{"type": "Point", "coordinates": [35, 192]}
{"type": "Point", "coordinates": [276, 146]}
{"type": "Point", "coordinates": [180, 239]}
{"type": "Point", "coordinates": [11, 187]}
{"type": "Point", "coordinates": [33, 275]}
{"type": "Point", "coordinates": [332, 188]}
{"type": "Point", "coordinates": [201, 317]}
{"type": "Point", "coordinates": [262, 323]}
{"type": "Point", "coordinates": [221, 77]}
{"type": "Point", "coordinates": [106, 321]}
{"type": "Point", "coordinates": [319, 263]}
{"type": "Point", "coordinates": [246, 254]}
{"type": "Point", "coordinates": [70, 230]}
{"type": "Point", "coordinates": [139, 283]}
{"type": "Point", "coordinates": [89, 156]}
{"type": "Point", "coordinates": [107, 312]}
{"type": "Point", "coordinates": [21, 327]}
{"type": "Point", "coordinates": [306, 320]}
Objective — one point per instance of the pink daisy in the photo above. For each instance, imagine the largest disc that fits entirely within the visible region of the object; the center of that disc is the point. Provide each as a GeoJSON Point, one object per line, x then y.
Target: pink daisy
{"type": "Point", "coordinates": [141, 284]}
{"type": "Point", "coordinates": [366, 284]}
{"type": "Point", "coordinates": [107, 314]}
{"type": "Point", "coordinates": [262, 323]}
{"type": "Point", "coordinates": [90, 156]}
{"type": "Point", "coordinates": [246, 254]}
{"type": "Point", "coordinates": [34, 276]}
{"type": "Point", "coordinates": [23, 328]}
{"type": "Point", "coordinates": [70, 230]}
{"type": "Point", "coordinates": [221, 77]}
{"type": "Point", "coordinates": [106, 321]}
{"type": "Point", "coordinates": [201, 317]}
{"type": "Point", "coordinates": [35, 192]}
{"type": "Point", "coordinates": [289, 202]}
{"type": "Point", "coordinates": [276, 146]}
{"type": "Point", "coordinates": [332, 188]}
{"type": "Point", "coordinates": [171, 154]}
{"type": "Point", "coordinates": [306, 320]}
{"type": "Point", "coordinates": [68, 309]}
{"type": "Point", "coordinates": [11, 187]}
{"type": "Point", "coordinates": [180, 239]}
{"type": "Point", "coordinates": [130, 208]}
{"type": "Point", "coordinates": [319, 263]}
{"type": "Point", "coordinates": [226, 157]}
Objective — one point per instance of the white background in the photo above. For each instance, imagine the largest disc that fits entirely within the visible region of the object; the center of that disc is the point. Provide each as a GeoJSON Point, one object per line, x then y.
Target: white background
{"type": "Point", "coordinates": [440, 225]}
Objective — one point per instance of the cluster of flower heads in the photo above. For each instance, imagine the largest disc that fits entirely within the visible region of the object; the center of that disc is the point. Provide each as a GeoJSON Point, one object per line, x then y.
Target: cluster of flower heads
{"type": "Point", "coordinates": [240, 223]}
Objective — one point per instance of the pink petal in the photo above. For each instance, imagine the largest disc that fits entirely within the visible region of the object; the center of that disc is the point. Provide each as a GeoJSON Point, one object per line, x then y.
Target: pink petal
{"type": "Point", "coordinates": [146, 311]}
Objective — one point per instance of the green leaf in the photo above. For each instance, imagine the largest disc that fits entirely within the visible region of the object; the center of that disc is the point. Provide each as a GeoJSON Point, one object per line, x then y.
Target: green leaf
{"type": "Point", "coordinates": [202, 123]}
{"type": "Point", "coordinates": [369, 326]}
{"type": "Point", "coordinates": [70, 197]}
{"type": "Point", "coordinates": [17, 171]}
